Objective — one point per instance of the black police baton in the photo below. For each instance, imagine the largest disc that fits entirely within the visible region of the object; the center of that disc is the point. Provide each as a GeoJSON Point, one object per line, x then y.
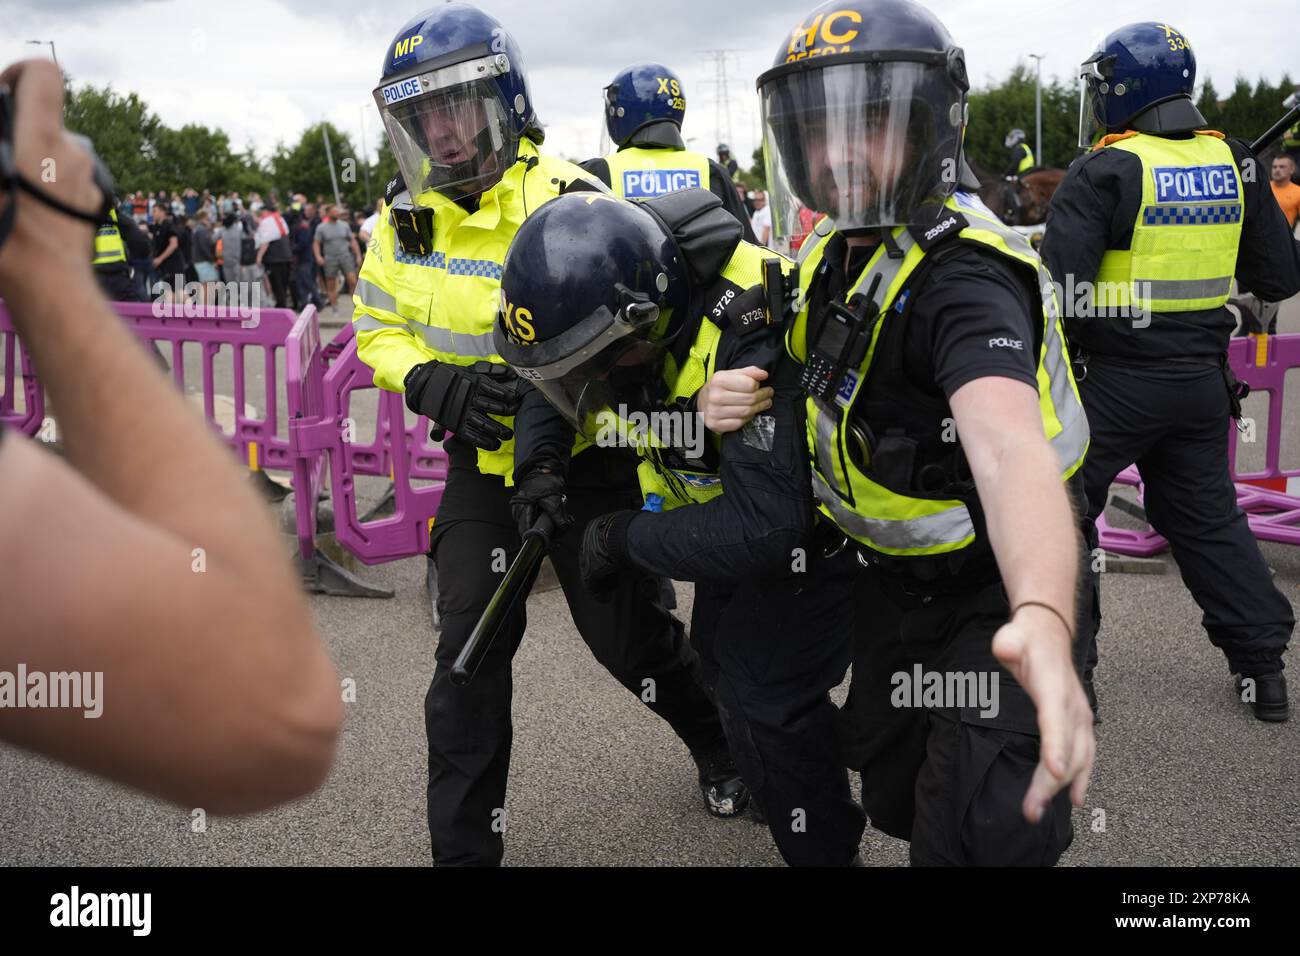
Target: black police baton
{"type": "Point", "coordinates": [536, 540]}
{"type": "Point", "coordinates": [1292, 103]}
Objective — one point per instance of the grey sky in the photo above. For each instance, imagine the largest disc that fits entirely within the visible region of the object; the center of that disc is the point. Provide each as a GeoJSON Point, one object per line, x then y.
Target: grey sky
{"type": "Point", "coordinates": [264, 70]}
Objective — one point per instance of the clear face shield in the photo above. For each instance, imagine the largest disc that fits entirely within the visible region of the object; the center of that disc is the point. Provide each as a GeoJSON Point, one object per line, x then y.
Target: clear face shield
{"type": "Point", "coordinates": [1093, 84]}
{"type": "Point", "coordinates": [868, 144]}
{"type": "Point", "coordinates": [608, 104]}
{"type": "Point", "coordinates": [604, 368]}
{"type": "Point", "coordinates": [448, 128]}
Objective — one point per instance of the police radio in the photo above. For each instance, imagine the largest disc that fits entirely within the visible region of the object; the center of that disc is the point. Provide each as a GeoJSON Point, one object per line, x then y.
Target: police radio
{"type": "Point", "coordinates": [841, 343]}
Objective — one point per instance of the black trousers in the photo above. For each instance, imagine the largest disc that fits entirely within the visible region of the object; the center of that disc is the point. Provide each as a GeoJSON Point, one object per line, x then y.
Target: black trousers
{"type": "Point", "coordinates": [1173, 423]}
{"type": "Point", "coordinates": [304, 285]}
{"type": "Point", "coordinates": [949, 779]}
{"type": "Point", "coordinates": [469, 728]}
{"type": "Point", "coordinates": [278, 273]}
{"type": "Point", "coordinates": [780, 647]}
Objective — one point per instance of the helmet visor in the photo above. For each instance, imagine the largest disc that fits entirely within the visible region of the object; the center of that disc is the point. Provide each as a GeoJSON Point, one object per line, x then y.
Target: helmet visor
{"type": "Point", "coordinates": [1091, 103]}
{"type": "Point", "coordinates": [867, 144]}
{"type": "Point", "coordinates": [449, 129]}
{"type": "Point", "coordinates": [603, 369]}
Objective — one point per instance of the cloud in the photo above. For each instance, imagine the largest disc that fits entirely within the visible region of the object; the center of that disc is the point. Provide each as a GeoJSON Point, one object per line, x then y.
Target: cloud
{"type": "Point", "coordinates": [263, 71]}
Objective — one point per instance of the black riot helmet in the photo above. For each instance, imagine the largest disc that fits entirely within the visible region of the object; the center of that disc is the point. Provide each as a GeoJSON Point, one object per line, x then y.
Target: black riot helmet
{"type": "Point", "coordinates": [593, 291]}
{"type": "Point", "coordinates": [863, 115]}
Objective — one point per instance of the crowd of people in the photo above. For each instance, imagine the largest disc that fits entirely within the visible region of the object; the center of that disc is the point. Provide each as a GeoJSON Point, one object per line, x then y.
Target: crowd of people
{"type": "Point", "coordinates": [295, 256]}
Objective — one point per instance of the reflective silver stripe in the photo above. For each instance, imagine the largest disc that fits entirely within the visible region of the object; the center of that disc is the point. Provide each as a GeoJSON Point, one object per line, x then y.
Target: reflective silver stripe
{"type": "Point", "coordinates": [1070, 443]}
{"type": "Point", "coordinates": [457, 343]}
{"type": "Point", "coordinates": [1180, 289]}
{"type": "Point", "coordinates": [368, 323]}
{"type": "Point", "coordinates": [442, 340]}
{"type": "Point", "coordinates": [374, 297]}
{"type": "Point", "coordinates": [949, 527]}
{"type": "Point", "coordinates": [827, 418]}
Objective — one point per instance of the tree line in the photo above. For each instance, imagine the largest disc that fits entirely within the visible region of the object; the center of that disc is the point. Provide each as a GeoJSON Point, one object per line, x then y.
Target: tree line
{"type": "Point", "coordinates": [145, 154]}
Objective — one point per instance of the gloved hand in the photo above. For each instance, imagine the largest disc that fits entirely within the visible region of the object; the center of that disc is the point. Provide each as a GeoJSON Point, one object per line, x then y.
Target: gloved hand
{"type": "Point", "coordinates": [460, 398]}
{"type": "Point", "coordinates": [604, 552]}
{"type": "Point", "coordinates": [540, 492]}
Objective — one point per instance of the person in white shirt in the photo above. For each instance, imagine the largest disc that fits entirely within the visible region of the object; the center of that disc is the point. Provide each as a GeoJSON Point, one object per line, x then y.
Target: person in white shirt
{"type": "Point", "coordinates": [761, 221]}
{"type": "Point", "coordinates": [368, 227]}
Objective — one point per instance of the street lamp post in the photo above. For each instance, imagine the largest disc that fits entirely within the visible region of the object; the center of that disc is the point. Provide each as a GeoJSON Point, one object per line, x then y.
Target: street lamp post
{"type": "Point", "coordinates": [365, 158]}
{"type": "Point", "coordinates": [50, 44]}
{"type": "Point", "coordinates": [1038, 107]}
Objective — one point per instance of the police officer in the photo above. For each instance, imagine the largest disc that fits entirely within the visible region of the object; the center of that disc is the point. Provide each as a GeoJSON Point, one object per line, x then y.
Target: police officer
{"type": "Point", "coordinates": [460, 120]}
{"type": "Point", "coordinates": [1161, 214]}
{"type": "Point", "coordinates": [1020, 160]}
{"type": "Point", "coordinates": [728, 162]}
{"type": "Point", "coordinates": [644, 110]}
{"type": "Point", "coordinates": [945, 427]}
{"type": "Point", "coordinates": [112, 268]}
{"type": "Point", "coordinates": [1020, 157]}
{"type": "Point", "coordinates": [619, 313]}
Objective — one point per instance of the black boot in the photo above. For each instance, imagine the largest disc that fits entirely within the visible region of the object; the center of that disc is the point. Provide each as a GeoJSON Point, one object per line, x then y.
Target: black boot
{"type": "Point", "coordinates": [724, 793]}
{"type": "Point", "coordinates": [1270, 702]}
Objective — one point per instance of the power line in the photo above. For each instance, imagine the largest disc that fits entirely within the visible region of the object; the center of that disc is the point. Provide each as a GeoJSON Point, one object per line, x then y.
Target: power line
{"type": "Point", "coordinates": [719, 60]}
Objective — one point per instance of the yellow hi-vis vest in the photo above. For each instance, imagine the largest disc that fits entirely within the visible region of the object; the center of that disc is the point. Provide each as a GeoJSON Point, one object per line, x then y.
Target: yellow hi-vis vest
{"type": "Point", "coordinates": [1026, 159]}
{"type": "Point", "coordinates": [1184, 249]}
{"type": "Point", "coordinates": [409, 309]}
{"type": "Point", "coordinates": [639, 173]}
{"type": "Point", "coordinates": [679, 486]}
{"type": "Point", "coordinates": [910, 523]}
{"type": "Point", "coordinates": [109, 247]}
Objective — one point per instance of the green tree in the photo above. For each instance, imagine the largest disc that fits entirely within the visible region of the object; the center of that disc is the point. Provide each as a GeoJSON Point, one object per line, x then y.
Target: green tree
{"type": "Point", "coordinates": [305, 168]}
{"type": "Point", "coordinates": [122, 129]}
{"type": "Point", "coordinates": [997, 109]}
{"type": "Point", "coordinates": [756, 176]}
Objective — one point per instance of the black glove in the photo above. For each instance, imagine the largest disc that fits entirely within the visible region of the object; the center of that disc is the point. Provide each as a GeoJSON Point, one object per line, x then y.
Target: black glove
{"type": "Point", "coordinates": [540, 492]}
{"type": "Point", "coordinates": [604, 551]}
{"type": "Point", "coordinates": [460, 398]}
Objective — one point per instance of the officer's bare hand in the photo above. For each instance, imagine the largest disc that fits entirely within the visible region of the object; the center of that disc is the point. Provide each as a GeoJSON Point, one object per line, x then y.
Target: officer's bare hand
{"type": "Point", "coordinates": [1035, 647]}
{"type": "Point", "coordinates": [732, 397]}
{"type": "Point", "coordinates": [47, 158]}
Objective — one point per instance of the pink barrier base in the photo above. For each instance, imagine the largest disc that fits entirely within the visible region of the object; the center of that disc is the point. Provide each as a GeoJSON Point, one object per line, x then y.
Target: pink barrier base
{"type": "Point", "coordinates": [1271, 497]}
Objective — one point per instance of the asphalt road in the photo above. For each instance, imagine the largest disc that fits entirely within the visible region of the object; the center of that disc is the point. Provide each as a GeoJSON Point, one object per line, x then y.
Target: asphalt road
{"type": "Point", "coordinates": [1185, 775]}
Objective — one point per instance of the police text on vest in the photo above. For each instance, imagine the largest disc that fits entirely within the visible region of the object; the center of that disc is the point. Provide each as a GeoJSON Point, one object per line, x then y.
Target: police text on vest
{"type": "Point", "coordinates": [1195, 183]}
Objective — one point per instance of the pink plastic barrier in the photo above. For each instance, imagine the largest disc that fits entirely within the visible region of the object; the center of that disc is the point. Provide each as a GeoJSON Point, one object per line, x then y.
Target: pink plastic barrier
{"type": "Point", "coordinates": [397, 451]}
{"type": "Point", "coordinates": [18, 378]}
{"type": "Point", "coordinates": [1271, 497]}
{"type": "Point", "coordinates": [318, 385]}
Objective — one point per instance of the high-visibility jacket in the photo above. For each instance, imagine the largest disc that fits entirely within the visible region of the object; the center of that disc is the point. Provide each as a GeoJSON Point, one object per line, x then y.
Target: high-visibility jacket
{"type": "Point", "coordinates": [110, 249]}
{"type": "Point", "coordinates": [1187, 231]}
{"type": "Point", "coordinates": [409, 309]}
{"type": "Point", "coordinates": [908, 521]}
{"type": "Point", "coordinates": [1026, 159]}
{"type": "Point", "coordinates": [644, 173]}
{"type": "Point", "coordinates": [673, 484]}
